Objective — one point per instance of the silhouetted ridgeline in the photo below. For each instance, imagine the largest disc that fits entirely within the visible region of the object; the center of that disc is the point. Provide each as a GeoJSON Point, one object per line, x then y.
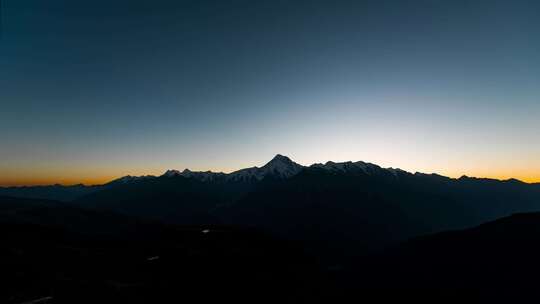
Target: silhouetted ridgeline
{"type": "Point", "coordinates": [338, 210]}
{"type": "Point", "coordinates": [53, 192]}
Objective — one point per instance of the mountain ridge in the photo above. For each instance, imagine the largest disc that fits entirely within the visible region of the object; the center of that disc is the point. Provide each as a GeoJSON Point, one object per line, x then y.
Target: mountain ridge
{"type": "Point", "coordinates": [350, 206]}
{"type": "Point", "coordinates": [279, 168]}
{"type": "Point", "coordinates": [260, 172]}
{"type": "Point", "coordinates": [280, 161]}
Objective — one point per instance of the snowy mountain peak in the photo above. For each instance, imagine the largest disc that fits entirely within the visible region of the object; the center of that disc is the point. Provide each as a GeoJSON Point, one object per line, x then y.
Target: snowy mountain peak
{"type": "Point", "coordinates": [171, 173]}
{"type": "Point", "coordinates": [281, 158]}
{"type": "Point", "coordinates": [280, 161]}
{"type": "Point", "coordinates": [202, 176]}
{"type": "Point", "coordinates": [348, 166]}
{"type": "Point", "coordinates": [280, 166]}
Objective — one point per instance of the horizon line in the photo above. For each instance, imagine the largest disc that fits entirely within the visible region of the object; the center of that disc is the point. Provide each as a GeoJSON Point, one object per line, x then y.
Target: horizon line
{"type": "Point", "coordinates": [103, 181]}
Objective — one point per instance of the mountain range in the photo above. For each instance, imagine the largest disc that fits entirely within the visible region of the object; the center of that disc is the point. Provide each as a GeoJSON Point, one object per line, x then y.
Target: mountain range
{"type": "Point", "coordinates": [329, 232]}
{"type": "Point", "coordinates": [339, 210]}
{"type": "Point", "coordinates": [280, 167]}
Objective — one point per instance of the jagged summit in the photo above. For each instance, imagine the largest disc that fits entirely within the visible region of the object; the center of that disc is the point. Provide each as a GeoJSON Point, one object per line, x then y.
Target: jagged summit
{"type": "Point", "coordinates": [281, 158]}
{"type": "Point", "coordinates": [348, 166]}
{"type": "Point", "coordinates": [280, 166]}
{"type": "Point", "coordinates": [130, 179]}
{"type": "Point", "coordinates": [171, 173]}
{"type": "Point", "coordinates": [200, 175]}
{"type": "Point", "coordinates": [282, 163]}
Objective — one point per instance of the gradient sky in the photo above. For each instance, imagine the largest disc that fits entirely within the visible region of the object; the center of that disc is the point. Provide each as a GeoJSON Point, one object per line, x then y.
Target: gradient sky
{"type": "Point", "coordinates": [93, 90]}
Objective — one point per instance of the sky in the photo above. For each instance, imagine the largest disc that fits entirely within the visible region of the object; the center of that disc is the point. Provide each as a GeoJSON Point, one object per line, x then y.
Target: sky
{"type": "Point", "coordinates": [94, 90]}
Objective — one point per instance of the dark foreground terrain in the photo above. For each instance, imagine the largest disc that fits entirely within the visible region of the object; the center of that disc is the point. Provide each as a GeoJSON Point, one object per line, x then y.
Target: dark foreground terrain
{"type": "Point", "coordinates": [53, 253]}
{"type": "Point", "coordinates": [62, 262]}
{"type": "Point", "coordinates": [494, 262]}
{"type": "Point", "coordinates": [173, 265]}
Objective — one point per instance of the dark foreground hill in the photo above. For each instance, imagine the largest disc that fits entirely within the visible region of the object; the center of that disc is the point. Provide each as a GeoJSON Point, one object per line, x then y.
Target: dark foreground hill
{"type": "Point", "coordinates": [108, 258]}
{"type": "Point", "coordinates": [65, 216]}
{"type": "Point", "coordinates": [52, 192]}
{"type": "Point", "coordinates": [494, 262]}
{"type": "Point", "coordinates": [46, 261]}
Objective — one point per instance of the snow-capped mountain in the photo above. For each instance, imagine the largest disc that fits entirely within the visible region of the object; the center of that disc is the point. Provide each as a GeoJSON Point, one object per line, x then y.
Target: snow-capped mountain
{"type": "Point", "coordinates": [130, 179]}
{"type": "Point", "coordinates": [280, 166]}
{"type": "Point", "coordinates": [172, 173]}
{"type": "Point", "coordinates": [349, 166]}
{"type": "Point", "coordinates": [204, 176]}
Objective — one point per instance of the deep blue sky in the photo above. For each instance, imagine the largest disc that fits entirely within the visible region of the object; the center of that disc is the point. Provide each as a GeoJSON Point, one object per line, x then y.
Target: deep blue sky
{"type": "Point", "coordinates": [90, 90]}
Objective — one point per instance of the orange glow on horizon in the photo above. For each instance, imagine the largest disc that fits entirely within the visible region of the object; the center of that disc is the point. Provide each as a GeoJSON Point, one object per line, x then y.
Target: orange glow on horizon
{"type": "Point", "coordinates": [51, 181]}
{"type": "Point", "coordinates": [100, 180]}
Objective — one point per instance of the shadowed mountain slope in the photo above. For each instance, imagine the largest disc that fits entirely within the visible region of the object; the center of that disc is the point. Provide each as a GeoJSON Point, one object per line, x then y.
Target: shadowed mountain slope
{"type": "Point", "coordinates": [496, 262]}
